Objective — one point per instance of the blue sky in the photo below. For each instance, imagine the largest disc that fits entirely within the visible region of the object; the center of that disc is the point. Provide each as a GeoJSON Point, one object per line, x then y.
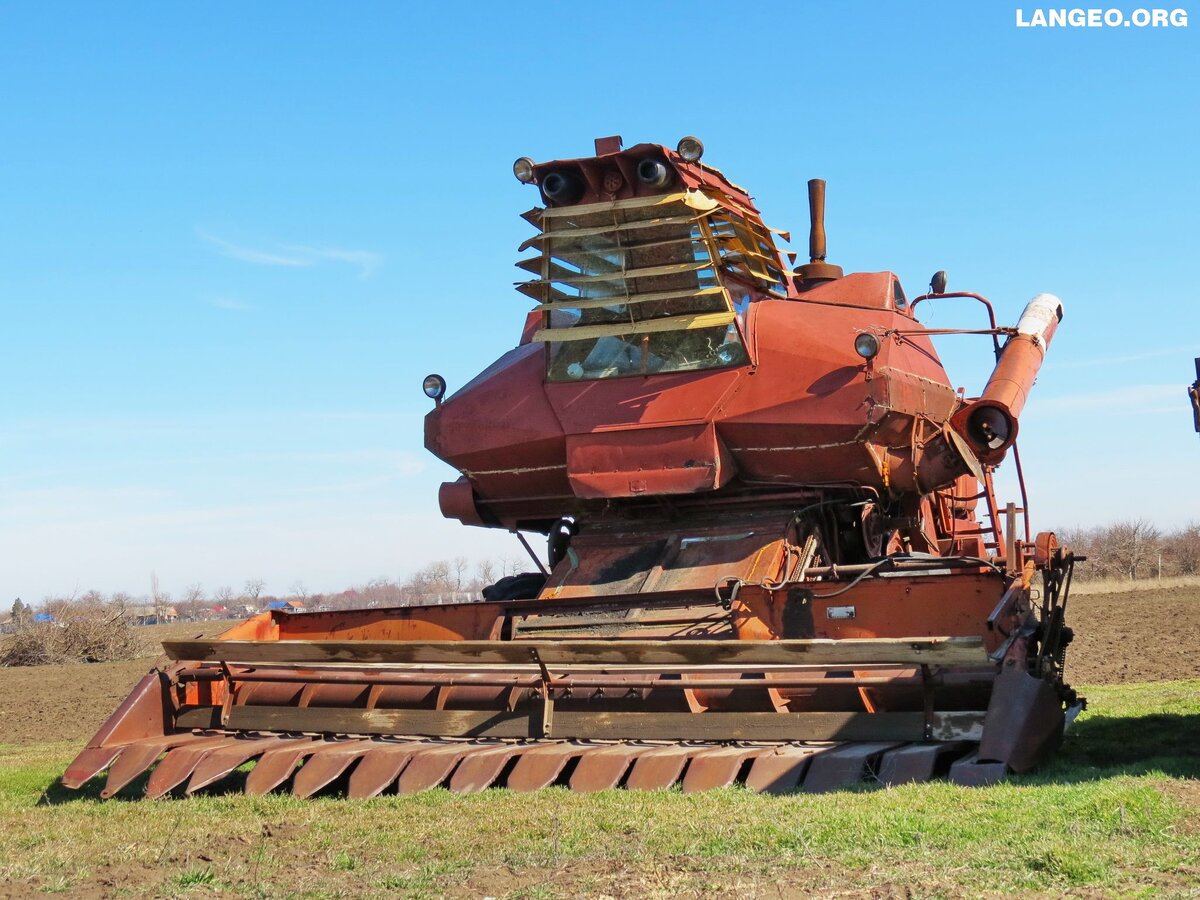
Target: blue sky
{"type": "Point", "coordinates": [234, 238]}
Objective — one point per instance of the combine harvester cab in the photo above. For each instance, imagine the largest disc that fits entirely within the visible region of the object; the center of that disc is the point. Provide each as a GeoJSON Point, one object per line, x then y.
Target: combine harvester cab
{"type": "Point", "coordinates": [775, 555]}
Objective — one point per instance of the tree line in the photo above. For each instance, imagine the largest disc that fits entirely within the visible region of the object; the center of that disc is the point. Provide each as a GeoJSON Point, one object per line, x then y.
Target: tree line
{"type": "Point", "coordinates": [441, 581]}
{"type": "Point", "coordinates": [1134, 550]}
{"type": "Point", "coordinates": [1131, 549]}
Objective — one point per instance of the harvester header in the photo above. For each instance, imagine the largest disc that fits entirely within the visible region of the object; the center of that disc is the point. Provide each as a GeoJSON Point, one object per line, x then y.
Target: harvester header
{"type": "Point", "coordinates": [774, 552]}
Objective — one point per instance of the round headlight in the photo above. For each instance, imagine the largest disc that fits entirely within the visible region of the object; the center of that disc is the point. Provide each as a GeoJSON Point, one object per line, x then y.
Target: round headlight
{"type": "Point", "coordinates": [434, 387]}
{"type": "Point", "coordinates": [690, 148]}
{"type": "Point", "coordinates": [866, 345]}
{"type": "Point", "coordinates": [523, 169]}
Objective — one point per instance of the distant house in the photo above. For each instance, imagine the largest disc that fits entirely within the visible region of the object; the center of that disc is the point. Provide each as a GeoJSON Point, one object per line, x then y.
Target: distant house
{"type": "Point", "coordinates": [148, 614]}
{"type": "Point", "coordinates": [286, 605]}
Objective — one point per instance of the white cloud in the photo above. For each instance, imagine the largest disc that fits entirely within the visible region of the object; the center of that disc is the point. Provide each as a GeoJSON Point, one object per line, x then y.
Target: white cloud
{"type": "Point", "coordinates": [229, 303]}
{"type": "Point", "coordinates": [366, 261]}
{"type": "Point", "coordinates": [1134, 398]}
{"type": "Point", "coordinates": [250, 255]}
{"type": "Point", "coordinates": [1118, 360]}
{"type": "Point", "coordinates": [295, 255]}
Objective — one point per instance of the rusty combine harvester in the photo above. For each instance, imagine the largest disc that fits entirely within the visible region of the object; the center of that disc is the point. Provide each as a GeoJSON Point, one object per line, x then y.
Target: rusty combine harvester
{"type": "Point", "coordinates": [776, 556]}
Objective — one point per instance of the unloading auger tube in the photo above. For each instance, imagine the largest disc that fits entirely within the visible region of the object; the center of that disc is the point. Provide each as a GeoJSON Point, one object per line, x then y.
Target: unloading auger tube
{"type": "Point", "coordinates": [776, 557]}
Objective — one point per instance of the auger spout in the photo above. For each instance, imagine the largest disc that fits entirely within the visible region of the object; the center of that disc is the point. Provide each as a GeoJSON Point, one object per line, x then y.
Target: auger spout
{"type": "Point", "coordinates": [989, 424]}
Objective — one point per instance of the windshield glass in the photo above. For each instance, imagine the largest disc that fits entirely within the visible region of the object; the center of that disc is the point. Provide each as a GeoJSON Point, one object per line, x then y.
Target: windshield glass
{"type": "Point", "coordinates": [645, 286]}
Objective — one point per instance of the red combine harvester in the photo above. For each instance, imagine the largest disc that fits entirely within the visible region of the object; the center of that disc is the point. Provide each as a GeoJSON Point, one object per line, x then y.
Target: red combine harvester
{"type": "Point", "coordinates": [775, 553]}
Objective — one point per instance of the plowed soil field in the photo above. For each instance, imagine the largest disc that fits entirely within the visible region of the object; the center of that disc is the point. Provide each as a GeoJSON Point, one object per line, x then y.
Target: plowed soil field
{"type": "Point", "coordinates": [1119, 637]}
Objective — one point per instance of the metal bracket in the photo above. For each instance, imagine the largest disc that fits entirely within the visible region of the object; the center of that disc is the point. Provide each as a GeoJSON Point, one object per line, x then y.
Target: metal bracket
{"type": "Point", "coordinates": [927, 697]}
{"type": "Point", "coordinates": [227, 703]}
{"type": "Point", "coordinates": [544, 687]}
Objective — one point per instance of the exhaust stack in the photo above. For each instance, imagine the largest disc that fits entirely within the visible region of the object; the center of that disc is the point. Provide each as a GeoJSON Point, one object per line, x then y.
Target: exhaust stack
{"type": "Point", "coordinates": [816, 270]}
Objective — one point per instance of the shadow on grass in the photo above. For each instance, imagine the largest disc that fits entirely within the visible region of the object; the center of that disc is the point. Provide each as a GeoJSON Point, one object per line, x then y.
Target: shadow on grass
{"type": "Point", "coordinates": [57, 795]}
{"type": "Point", "coordinates": [1106, 746]}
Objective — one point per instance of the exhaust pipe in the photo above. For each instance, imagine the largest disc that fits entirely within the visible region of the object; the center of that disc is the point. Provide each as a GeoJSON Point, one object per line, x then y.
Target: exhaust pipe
{"type": "Point", "coordinates": [816, 271]}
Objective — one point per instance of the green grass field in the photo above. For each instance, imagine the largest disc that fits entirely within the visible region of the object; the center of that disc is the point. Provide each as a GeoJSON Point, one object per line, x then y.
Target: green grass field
{"type": "Point", "coordinates": [1117, 813]}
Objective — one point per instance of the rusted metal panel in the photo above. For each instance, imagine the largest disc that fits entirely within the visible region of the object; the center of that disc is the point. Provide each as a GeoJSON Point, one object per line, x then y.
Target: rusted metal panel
{"type": "Point", "coordinates": [779, 771]}
{"type": "Point", "coordinates": [947, 651]}
{"type": "Point", "coordinates": [137, 758]}
{"type": "Point", "coordinates": [717, 767]}
{"type": "Point", "coordinates": [915, 762]}
{"type": "Point", "coordinates": [603, 725]}
{"type": "Point", "coordinates": [226, 757]}
{"type": "Point", "coordinates": [380, 766]}
{"type": "Point", "coordinates": [1024, 721]}
{"type": "Point", "coordinates": [179, 763]}
{"type": "Point", "coordinates": [540, 766]}
{"type": "Point", "coordinates": [325, 764]}
{"type": "Point", "coordinates": [841, 766]}
{"type": "Point", "coordinates": [142, 714]}
{"type": "Point", "coordinates": [88, 764]}
{"type": "Point", "coordinates": [658, 768]}
{"type": "Point", "coordinates": [624, 621]}
{"type": "Point", "coordinates": [481, 767]}
{"type": "Point", "coordinates": [602, 768]}
{"type": "Point", "coordinates": [679, 459]}
{"type": "Point", "coordinates": [275, 767]}
{"type": "Point", "coordinates": [954, 602]}
{"type": "Point", "coordinates": [427, 768]}
{"type": "Point", "coordinates": [971, 771]}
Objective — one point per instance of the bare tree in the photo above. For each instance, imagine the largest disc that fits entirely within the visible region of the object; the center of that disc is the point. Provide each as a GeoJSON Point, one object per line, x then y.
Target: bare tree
{"type": "Point", "coordinates": [299, 591]}
{"type": "Point", "coordinates": [253, 589]}
{"type": "Point", "coordinates": [459, 565]}
{"type": "Point", "coordinates": [191, 604]}
{"type": "Point", "coordinates": [1132, 544]}
{"type": "Point", "coordinates": [485, 572]}
{"type": "Point", "coordinates": [1182, 548]}
{"type": "Point", "coordinates": [224, 595]}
